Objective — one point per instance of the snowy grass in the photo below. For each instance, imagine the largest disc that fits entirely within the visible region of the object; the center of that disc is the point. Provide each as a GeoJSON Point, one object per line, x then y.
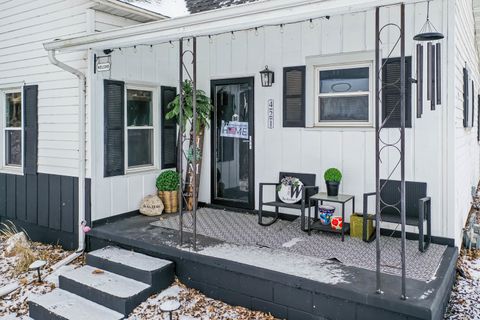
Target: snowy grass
{"type": "Point", "coordinates": [15, 303]}
{"type": "Point", "coordinates": [465, 299]}
{"type": "Point", "coordinates": [193, 305]}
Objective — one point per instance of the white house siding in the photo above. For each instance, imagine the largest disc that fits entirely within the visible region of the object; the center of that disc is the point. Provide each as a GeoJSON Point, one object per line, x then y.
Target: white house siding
{"type": "Point", "coordinates": [466, 144]}
{"type": "Point", "coordinates": [290, 149]}
{"type": "Point", "coordinates": [24, 26]}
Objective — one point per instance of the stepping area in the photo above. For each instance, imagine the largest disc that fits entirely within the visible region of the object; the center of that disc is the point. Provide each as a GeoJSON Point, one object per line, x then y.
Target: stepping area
{"type": "Point", "coordinates": [111, 284]}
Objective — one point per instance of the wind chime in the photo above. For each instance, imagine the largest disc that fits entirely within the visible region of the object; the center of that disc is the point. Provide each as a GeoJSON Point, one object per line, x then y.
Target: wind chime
{"type": "Point", "coordinates": [432, 37]}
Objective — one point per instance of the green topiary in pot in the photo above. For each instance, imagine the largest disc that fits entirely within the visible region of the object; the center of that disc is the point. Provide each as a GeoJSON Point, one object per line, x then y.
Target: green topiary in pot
{"type": "Point", "coordinates": [168, 181]}
{"type": "Point", "coordinates": [332, 177]}
{"type": "Point", "coordinates": [167, 185]}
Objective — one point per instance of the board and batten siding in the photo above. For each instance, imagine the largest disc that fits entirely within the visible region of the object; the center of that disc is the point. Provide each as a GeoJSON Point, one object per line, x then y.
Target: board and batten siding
{"type": "Point", "coordinates": [310, 150]}
{"type": "Point", "coordinates": [467, 150]}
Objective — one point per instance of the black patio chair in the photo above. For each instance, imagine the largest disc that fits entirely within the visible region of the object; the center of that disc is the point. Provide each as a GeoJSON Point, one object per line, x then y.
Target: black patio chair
{"type": "Point", "coordinates": [417, 205]}
{"type": "Point", "coordinates": [309, 190]}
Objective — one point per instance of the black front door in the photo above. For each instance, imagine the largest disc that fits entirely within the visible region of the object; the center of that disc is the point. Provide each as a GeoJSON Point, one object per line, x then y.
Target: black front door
{"type": "Point", "coordinates": [232, 143]}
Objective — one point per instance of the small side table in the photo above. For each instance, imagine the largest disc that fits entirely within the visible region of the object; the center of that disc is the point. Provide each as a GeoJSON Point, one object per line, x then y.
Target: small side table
{"type": "Point", "coordinates": [324, 197]}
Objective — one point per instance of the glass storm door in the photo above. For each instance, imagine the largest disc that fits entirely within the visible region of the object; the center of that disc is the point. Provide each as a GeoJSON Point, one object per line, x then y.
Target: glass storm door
{"type": "Point", "coordinates": [232, 143]}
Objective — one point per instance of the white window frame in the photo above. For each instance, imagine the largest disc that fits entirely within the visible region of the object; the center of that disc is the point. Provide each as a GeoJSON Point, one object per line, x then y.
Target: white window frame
{"type": "Point", "coordinates": [8, 168]}
{"type": "Point", "coordinates": [154, 127]}
{"type": "Point", "coordinates": [340, 66]}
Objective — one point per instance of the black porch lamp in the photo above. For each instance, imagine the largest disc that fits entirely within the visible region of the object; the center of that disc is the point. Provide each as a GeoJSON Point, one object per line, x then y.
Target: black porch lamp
{"type": "Point", "coordinates": [428, 31]}
{"type": "Point", "coordinates": [267, 76]}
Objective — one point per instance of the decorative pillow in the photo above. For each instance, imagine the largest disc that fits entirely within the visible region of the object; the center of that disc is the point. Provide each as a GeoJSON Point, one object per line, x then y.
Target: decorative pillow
{"type": "Point", "coordinates": [290, 190]}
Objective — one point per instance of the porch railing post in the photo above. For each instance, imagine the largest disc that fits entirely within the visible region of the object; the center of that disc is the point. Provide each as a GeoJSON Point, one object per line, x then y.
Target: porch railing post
{"type": "Point", "coordinates": [180, 140]}
{"type": "Point", "coordinates": [377, 147]}
{"type": "Point", "coordinates": [194, 125]}
{"type": "Point", "coordinates": [402, 142]}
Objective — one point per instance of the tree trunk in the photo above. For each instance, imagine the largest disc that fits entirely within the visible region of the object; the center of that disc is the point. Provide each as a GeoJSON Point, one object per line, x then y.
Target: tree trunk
{"type": "Point", "coordinates": [190, 171]}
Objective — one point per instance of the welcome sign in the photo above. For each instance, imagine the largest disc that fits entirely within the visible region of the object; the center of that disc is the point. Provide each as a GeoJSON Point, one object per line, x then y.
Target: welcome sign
{"type": "Point", "coordinates": [234, 129]}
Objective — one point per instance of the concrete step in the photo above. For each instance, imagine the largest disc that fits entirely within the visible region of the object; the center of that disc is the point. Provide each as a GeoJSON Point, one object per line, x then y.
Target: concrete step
{"type": "Point", "coordinates": [60, 304]}
{"type": "Point", "coordinates": [106, 288]}
{"type": "Point", "coordinates": [156, 272]}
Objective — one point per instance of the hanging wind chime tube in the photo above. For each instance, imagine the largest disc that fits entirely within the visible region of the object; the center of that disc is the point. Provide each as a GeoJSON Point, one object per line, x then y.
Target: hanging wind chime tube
{"type": "Point", "coordinates": [438, 63]}
{"type": "Point", "coordinates": [429, 34]}
{"type": "Point", "coordinates": [429, 71]}
{"type": "Point", "coordinates": [432, 79]}
{"type": "Point", "coordinates": [419, 80]}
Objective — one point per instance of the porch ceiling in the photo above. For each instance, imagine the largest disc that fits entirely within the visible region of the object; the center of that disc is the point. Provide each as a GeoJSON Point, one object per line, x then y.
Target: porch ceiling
{"type": "Point", "coordinates": [246, 16]}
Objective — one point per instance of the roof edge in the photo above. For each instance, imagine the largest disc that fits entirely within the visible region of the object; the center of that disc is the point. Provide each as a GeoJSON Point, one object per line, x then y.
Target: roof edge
{"type": "Point", "coordinates": [133, 9]}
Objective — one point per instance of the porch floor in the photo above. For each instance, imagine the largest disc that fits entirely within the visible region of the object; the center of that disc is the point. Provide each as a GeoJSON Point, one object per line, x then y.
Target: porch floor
{"type": "Point", "coordinates": [243, 229]}
{"type": "Point", "coordinates": [283, 275]}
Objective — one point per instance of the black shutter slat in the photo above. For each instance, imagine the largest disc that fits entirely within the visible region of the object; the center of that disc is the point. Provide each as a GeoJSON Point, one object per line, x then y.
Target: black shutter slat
{"type": "Point", "coordinates": [114, 144]}
{"type": "Point", "coordinates": [465, 98]}
{"type": "Point", "coordinates": [168, 130]}
{"type": "Point", "coordinates": [30, 98]}
{"type": "Point", "coordinates": [294, 97]}
{"type": "Point", "coordinates": [391, 92]}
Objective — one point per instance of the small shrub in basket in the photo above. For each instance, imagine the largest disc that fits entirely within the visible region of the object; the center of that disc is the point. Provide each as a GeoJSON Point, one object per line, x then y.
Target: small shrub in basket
{"type": "Point", "coordinates": [167, 186]}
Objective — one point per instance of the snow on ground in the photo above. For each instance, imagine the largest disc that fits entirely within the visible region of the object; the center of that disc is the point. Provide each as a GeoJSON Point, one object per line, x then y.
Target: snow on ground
{"type": "Point", "coordinates": [193, 305]}
{"type": "Point", "coordinates": [14, 305]}
{"type": "Point", "coordinates": [465, 300]}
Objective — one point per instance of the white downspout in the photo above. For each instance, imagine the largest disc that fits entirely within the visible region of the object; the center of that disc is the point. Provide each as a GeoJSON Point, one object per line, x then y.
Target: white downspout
{"type": "Point", "coordinates": [82, 87]}
{"type": "Point", "coordinates": [81, 172]}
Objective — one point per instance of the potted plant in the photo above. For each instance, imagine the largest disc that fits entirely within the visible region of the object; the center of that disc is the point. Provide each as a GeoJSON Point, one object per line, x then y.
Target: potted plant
{"type": "Point", "coordinates": [204, 109]}
{"type": "Point", "coordinates": [167, 186]}
{"type": "Point", "coordinates": [332, 177]}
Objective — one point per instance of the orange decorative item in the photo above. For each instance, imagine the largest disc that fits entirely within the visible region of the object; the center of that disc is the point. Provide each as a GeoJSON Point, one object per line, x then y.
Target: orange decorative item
{"type": "Point", "coordinates": [337, 223]}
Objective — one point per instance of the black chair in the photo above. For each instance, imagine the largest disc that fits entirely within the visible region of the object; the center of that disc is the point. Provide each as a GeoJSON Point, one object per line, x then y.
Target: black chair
{"type": "Point", "coordinates": [417, 205]}
{"type": "Point", "coordinates": [309, 190]}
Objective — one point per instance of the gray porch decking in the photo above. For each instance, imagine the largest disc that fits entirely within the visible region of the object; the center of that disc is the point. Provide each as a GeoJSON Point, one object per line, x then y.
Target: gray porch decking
{"type": "Point", "coordinates": [287, 284]}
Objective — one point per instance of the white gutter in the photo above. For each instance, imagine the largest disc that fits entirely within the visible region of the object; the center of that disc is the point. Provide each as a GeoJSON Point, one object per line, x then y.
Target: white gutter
{"type": "Point", "coordinates": [239, 17]}
{"type": "Point", "coordinates": [81, 153]}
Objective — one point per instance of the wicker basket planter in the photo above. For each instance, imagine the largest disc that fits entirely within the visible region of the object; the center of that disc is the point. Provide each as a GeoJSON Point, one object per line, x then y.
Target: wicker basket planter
{"type": "Point", "coordinates": [170, 200]}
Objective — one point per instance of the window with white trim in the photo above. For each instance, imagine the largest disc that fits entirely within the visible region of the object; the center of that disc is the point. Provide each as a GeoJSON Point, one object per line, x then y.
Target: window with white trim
{"type": "Point", "coordinates": [12, 123]}
{"type": "Point", "coordinates": [140, 123]}
{"type": "Point", "coordinates": [343, 95]}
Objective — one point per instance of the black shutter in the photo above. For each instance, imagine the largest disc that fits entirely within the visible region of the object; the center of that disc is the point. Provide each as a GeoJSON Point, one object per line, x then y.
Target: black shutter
{"type": "Point", "coordinates": [114, 146]}
{"type": "Point", "coordinates": [465, 98]}
{"type": "Point", "coordinates": [30, 100]}
{"type": "Point", "coordinates": [473, 105]}
{"type": "Point", "coordinates": [168, 130]}
{"type": "Point", "coordinates": [294, 96]}
{"type": "Point", "coordinates": [391, 92]}
{"type": "Point", "coordinates": [478, 118]}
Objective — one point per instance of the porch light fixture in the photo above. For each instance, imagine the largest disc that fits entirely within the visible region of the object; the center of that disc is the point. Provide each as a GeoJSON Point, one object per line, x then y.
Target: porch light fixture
{"type": "Point", "coordinates": [428, 31]}
{"type": "Point", "coordinates": [267, 76]}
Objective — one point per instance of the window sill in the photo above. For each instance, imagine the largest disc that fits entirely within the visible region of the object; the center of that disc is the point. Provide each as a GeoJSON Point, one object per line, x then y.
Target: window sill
{"type": "Point", "coordinates": [141, 170]}
{"type": "Point", "coordinates": [12, 170]}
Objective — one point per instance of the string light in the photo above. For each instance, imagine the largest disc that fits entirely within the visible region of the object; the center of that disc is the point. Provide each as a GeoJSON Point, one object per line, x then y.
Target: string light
{"type": "Point", "coordinates": [210, 36]}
